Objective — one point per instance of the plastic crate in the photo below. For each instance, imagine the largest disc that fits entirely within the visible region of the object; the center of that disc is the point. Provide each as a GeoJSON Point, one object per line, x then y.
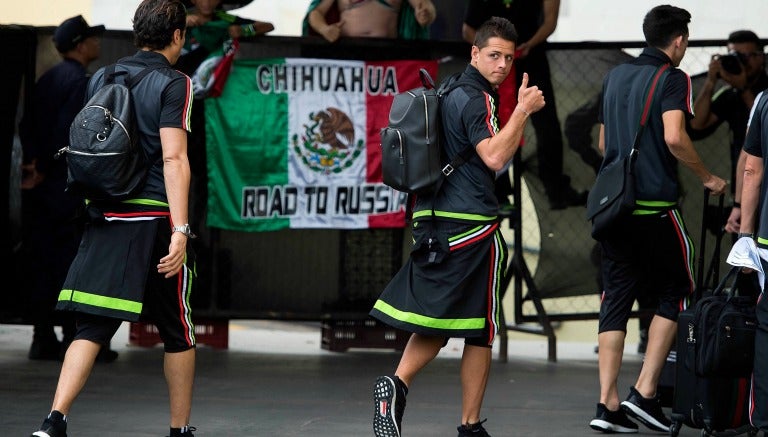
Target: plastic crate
{"type": "Point", "coordinates": [211, 332]}
{"type": "Point", "coordinates": [340, 335]}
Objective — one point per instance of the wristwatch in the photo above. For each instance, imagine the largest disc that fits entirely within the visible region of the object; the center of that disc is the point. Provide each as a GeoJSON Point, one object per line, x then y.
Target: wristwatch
{"type": "Point", "coordinates": [185, 229]}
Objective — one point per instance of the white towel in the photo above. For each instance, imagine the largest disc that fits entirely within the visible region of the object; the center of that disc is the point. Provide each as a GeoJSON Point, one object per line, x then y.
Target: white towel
{"type": "Point", "coordinates": [745, 253]}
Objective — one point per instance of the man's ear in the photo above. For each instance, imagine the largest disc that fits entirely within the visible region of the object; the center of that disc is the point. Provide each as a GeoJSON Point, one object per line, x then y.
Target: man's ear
{"type": "Point", "coordinates": [178, 36]}
{"type": "Point", "coordinates": [679, 41]}
{"type": "Point", "coordinates": [475, 52]}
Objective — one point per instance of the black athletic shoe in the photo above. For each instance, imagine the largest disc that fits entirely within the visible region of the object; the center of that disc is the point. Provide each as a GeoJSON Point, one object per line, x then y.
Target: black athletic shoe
{"type": "Point", "coordinates": [610, 422]}
{"type": "Point", "coordinates": [183, 432]}
{"type": "Point", "coordinates": [473, 430]}
{"type": "Point", "coordinates": [389, 404]}
{"type": "Point", "coordinates": [646, 411]}
{"type": "Point", "coordinates": [53, 426]}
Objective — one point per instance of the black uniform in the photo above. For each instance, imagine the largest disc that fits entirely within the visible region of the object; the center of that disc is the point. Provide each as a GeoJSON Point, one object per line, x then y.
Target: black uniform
{"type": "Point", "coordinates": [650, 251]}
{"type": "Point", "coordinates": [450, 284]}
{"type": "Point", "coordinates": [114, 274]}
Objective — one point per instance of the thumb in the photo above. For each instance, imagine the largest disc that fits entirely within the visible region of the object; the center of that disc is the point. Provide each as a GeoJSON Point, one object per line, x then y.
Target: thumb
{"type": "Point", "coordinates": [339, 23]}
{"type": "Point", "coordinates": [524, 82]}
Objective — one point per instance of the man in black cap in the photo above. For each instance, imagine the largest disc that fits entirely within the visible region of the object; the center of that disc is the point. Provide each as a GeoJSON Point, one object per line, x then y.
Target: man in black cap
{"type": "Point", "coordinates": [74, 31]}
{"type": "Point", "coordinates": [51, 215]}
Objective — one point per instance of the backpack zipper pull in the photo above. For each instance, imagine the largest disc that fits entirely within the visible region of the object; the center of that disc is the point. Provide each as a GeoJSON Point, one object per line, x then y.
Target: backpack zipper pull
{"type": "Point", "coordinates": [60, 152]}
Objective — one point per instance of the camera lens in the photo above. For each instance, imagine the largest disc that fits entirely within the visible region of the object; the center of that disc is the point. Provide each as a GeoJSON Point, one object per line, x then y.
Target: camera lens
{"type": "Point", "coordinates": [730, 63]}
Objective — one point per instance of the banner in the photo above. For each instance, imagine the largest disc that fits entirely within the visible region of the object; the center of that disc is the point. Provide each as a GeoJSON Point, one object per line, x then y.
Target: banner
{"type": "Point", "coordinates": [294, 143]}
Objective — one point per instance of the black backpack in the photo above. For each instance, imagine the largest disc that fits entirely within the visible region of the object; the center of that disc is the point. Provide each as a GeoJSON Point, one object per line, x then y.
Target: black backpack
{"type": "Point", "coordinates": [105, 160]}
{"type": "Point", "coordinates": [411, 150]}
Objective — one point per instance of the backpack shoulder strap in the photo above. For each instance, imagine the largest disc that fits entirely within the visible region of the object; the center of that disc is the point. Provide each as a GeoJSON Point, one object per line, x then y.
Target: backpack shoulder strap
{"type": "Point", "coordinates": [111, 73]}
{"type": "Point", "coordinates": [449, 84]}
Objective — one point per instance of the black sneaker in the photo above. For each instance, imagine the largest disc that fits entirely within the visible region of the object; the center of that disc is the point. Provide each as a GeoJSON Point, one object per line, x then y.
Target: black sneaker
{"type": "Point", "coordinates": [473, 430]}
{"type": "Point", "coordinates": [646, 411]}
{"type": "Point", "coordinates": [612, 421]}
{"type": "Point", "coordinates": [389, 404]}
{"type": "Point", "coordinates": [183, 432]}
{"type": "Point", "coordinates": [53, 426]}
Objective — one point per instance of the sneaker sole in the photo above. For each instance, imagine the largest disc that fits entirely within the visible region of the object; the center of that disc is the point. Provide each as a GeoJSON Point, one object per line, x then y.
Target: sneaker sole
{"type": "Point", "coordinates": [610, 428]}
{"type": "Point", "coordinates": [640, 414]}
{"type": "Point", "coordinates": [384, 397]}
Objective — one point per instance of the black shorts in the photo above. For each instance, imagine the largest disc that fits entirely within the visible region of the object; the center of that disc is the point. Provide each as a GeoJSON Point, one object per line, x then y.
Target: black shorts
{"type": "Point", "coordinates": [165, 301]}
{"type": "Point", "coordinates": [450, 287]}
{"type": "Point", "coordinates": [648, 255]}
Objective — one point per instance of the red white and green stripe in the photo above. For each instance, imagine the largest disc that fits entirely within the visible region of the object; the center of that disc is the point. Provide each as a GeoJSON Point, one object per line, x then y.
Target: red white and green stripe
{"type": "Point", "coordinates": [294, 143]}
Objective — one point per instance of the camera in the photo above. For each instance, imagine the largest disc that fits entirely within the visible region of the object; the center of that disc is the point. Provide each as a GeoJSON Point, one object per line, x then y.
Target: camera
{"type": "Point", "coordinates": [730, 63]}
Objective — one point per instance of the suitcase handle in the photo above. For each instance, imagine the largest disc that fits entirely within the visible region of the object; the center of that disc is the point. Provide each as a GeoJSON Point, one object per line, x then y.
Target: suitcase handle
{"type": "Point", "coordinates": [703, 277]}
{"type": "Point", "coordinates": [721, 286]}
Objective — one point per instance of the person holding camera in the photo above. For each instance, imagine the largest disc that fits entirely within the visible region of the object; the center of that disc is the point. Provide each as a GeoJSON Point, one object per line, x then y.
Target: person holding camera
{"type": "Point", "coordinates": [743, 69]}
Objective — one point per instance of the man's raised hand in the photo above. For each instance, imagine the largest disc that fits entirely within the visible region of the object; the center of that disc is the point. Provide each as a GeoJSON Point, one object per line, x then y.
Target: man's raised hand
{"type": "Point", "coordinates": [529, 99]}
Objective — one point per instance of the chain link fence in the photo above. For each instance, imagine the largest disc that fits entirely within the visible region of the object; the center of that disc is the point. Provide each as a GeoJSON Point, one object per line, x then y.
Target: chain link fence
{"type": "Point", "coordinates": [557, 247]}
{"type": "Point", "coordinates": [318, 274]}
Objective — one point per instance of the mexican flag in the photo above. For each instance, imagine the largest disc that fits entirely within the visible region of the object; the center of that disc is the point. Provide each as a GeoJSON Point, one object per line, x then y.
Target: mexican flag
{"type": "Point", "coordinates": [294, 143]}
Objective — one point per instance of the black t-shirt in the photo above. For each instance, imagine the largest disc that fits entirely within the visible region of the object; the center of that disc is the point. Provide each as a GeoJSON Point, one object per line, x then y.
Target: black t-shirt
{"type": "Point", "coordinates": [624, 93]}
{"type": "Point", "coordinates": [729, 107]}
{"type": "Point", "coordinates": [526, 15]}
{"type": "Point", "coordinates": [469, 116]}
{"type": "Point", "coordinates": [756, 144]}
{"type": "Point", "coordinates": [162, 99]}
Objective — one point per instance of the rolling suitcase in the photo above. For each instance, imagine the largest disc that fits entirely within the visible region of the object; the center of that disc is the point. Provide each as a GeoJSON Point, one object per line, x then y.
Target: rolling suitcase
{"type": "Point", "coordinates": [759, 412]}
{"type": "Point", "coordinates": [667, 382]}
{"type": "Point", "coordinates": [718, 405]}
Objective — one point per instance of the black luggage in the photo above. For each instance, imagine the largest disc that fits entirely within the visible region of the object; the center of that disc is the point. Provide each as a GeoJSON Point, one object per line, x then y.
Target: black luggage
{"type": "Point", "coordinates": [759, 412]}
{"type": "Point", "coordinates": [719, 405]}
{"type": "Point", "coordinates": [716, 404]}
{"type": "Point", "coordinates": [667, 382]}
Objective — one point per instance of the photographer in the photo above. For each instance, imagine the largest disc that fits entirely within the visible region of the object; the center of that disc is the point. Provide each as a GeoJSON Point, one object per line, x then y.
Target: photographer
{"type": "Point", "coordinates": [743, 69]}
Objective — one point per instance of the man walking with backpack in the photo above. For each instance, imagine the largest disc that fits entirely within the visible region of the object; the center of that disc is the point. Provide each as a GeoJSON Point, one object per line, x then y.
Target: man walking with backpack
{"type": "Point", "coordinates": [133, 258]}
{"type": "Point", "coordinates": [450, 285]}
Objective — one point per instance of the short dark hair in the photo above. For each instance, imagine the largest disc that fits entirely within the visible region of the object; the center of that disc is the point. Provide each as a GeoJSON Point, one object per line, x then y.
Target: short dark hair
{"type": "Point", "coordinates": [156, 20]}
{"type": "Point", "coordinates": [740, 36]}
{"type": "Point", "coordinates": [495, 27]}
{"type": "Point", "coordinates": [663, 24]}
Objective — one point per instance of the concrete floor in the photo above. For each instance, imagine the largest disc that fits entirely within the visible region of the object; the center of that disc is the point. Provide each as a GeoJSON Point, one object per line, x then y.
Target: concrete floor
{"type": "Point", "coordinates": [275, 380]}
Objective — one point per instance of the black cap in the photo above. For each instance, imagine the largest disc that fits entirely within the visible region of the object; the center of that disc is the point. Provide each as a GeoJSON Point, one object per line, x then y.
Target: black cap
{"type": "Point", "coordinates": [72, 31]}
